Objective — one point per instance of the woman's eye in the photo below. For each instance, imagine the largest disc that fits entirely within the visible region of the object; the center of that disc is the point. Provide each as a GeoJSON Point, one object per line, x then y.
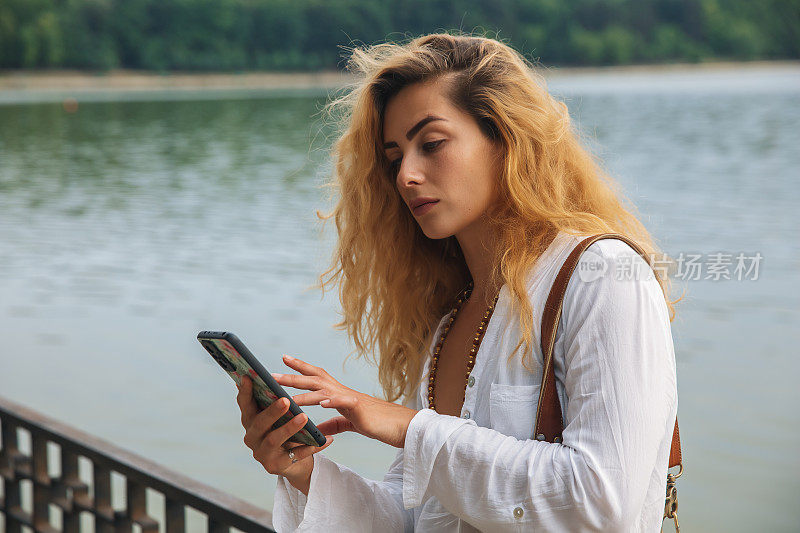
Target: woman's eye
{"type": "Point", "coordinates": [431, 146]}
{"type": "Point", "coordinates": [427, 147]}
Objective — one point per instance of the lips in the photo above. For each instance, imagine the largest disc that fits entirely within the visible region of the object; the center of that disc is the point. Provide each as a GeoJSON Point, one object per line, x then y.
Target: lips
{"type": "Point", "coordinates": [423, 207]}
{"type": "Point", "coordinates": [416, 202]}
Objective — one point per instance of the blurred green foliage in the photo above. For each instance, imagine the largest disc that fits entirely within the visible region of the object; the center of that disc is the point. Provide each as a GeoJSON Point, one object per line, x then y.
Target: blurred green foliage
{"type": "Point", "coordinates": [233, 35]}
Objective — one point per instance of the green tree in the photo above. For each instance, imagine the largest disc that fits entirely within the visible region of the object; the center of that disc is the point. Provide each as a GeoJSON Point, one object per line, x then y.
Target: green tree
{"type": "Point", "coordinates": [311, 34]}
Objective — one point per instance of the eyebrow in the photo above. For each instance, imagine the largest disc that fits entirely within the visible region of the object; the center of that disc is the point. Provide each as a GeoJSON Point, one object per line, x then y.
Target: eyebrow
{"type": "Point", "coordinates": [414, 130]}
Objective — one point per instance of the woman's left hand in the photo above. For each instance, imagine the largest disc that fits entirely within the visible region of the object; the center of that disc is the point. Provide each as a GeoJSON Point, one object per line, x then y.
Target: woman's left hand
{"type": "Point", "coordinates": [362, 413]}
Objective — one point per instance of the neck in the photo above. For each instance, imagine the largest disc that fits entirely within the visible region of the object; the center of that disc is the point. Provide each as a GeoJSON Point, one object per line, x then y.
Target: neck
{"type": "Point", "coordinates": [478, 245]}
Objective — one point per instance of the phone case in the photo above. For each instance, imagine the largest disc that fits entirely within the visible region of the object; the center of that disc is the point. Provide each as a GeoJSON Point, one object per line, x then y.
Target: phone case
{"type": "Point", "coordinates": [234, 357]}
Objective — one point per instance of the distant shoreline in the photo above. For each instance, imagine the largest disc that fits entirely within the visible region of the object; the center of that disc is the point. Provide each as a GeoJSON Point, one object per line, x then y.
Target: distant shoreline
{"type": "Point", "coordinates": [66, 81]}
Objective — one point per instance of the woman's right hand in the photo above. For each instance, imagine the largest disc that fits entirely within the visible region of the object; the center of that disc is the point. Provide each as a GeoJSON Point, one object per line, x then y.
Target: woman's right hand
{"type": "Point", "coordinates": [270, 446]}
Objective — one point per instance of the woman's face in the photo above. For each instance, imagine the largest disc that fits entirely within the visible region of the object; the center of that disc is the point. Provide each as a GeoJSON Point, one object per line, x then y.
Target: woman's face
{"type": "Point", "coordinates": [438, 152]}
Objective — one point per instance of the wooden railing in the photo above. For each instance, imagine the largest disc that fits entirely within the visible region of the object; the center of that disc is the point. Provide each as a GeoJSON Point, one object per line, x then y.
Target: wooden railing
{"type": "Point", "coordinates": [32, 498]}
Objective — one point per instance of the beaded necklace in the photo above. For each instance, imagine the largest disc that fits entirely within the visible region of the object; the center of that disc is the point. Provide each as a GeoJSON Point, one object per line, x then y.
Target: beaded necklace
{"type": "Point", "coordinates": [475, 342]}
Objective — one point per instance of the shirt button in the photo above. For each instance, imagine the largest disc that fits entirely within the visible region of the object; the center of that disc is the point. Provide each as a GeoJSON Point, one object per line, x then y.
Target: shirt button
{"type": "Point", "coordinates": [518, 512]}
{"type": "Point", "coordinates": [471, 381]}
{"type": "Point", "coordinates": [466, 414]}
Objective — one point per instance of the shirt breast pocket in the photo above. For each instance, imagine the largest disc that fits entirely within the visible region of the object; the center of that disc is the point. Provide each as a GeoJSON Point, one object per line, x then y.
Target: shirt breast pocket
{"type": "Point", "coordinates": [512, 409]}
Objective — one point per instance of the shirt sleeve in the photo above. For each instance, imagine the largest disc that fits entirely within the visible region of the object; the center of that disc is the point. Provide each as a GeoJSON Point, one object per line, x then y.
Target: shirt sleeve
{"type": "Point", "coordinates": [339, 499]}
{"type": "Point", "coordinates": [619, 376]}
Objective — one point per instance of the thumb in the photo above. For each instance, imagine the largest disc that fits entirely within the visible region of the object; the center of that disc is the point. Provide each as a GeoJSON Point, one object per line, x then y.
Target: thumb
{"type": "Point", "coordinates": [335, 425]}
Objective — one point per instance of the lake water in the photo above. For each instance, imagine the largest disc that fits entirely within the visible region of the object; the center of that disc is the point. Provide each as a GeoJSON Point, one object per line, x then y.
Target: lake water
{"type": "Point", "coordinates": [128, 226]}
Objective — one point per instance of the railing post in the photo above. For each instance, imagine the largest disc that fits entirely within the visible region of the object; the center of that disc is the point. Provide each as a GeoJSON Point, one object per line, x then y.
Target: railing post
{"type": "Point", "coordinates": [216, 527]}
{"type": "Point", "coordinates": [75, 491]}
{"type": "Point", "coordinates": [137, 507]}
{"type": "Point", "coordinates": [41, 483]}
{"type": "Point", "coordinates": [103, 512]}
{"type": "Point", "coordinates": [176, 516]}
{"type": "Point", "coordinates": [12, 503]}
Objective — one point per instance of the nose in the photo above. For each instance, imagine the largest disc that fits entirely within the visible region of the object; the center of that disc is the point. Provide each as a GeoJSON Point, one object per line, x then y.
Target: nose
{"type": "Point", "coordinates": [409, 174]}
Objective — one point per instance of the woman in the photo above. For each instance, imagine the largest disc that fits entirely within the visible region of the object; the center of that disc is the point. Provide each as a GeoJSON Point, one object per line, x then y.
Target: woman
{"type": "Point", "coordinates": [463, 185]}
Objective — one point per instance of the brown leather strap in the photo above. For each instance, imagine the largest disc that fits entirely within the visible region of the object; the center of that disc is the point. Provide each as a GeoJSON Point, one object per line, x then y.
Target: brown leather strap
{"type": "Point", "coordinates": [549, 423]}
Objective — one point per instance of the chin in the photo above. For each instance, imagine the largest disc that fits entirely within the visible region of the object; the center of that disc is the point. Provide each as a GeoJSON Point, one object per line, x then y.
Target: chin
{"type": "Point", "coordinates": [433, 231]}
{"type": "Point", "coordinates": [437, 236]}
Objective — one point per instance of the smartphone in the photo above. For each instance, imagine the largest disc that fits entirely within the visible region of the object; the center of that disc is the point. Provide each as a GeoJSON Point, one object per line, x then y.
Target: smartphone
{"type": "Point", "coordinates": [235, 359]}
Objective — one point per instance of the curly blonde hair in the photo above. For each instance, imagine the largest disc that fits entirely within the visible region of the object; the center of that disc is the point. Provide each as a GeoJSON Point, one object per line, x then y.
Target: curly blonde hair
{"type": "Point", "coordinates": [395, 284]}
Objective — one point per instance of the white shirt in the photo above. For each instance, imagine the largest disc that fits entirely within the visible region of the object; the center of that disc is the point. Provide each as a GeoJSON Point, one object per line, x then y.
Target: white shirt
{"type": "Point", "coordinates": [615, 376]}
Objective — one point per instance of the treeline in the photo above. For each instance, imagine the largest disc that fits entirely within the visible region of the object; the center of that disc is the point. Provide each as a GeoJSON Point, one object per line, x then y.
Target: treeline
{"type": "Point", "coordinates": [165, 35]}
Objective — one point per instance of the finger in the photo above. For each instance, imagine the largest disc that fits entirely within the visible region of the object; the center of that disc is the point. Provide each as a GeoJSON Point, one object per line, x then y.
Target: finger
{"type": "Point", "coordinates": [297, 381]}
{"type": "Point", "coordinates": [264, 421]}
{"type": "Point", "coordinates": [278, 436]}
{"type": "Point", "coordinates": [289, 445]}
{"type": "Point", "coordinates": [310, 398]}
{"type": "Point", "coordinates": [301, 366]}
{"type": "Point", "coordinates": [340, 402]}
{"type": "Point", "coordinates": [301, 451]}
{"type": "Point", "coordinates": [336, 425]}
{"type": "Point", "coordinates": [247, 404]}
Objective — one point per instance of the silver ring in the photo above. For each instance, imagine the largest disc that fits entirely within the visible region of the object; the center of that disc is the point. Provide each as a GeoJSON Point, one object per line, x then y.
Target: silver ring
{"type": "Point", "coordinates": [292, 457]}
